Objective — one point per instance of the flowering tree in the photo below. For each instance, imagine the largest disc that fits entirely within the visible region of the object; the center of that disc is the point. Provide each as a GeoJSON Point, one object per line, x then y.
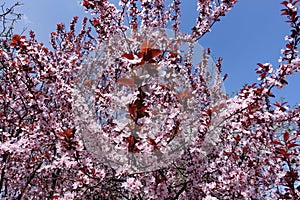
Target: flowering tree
{"type": "Point", "coordinates": [124, 90]}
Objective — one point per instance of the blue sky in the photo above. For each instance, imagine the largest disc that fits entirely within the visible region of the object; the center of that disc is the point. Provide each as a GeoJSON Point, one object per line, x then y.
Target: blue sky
{"type": "Point", "coordinates": [252, 32]}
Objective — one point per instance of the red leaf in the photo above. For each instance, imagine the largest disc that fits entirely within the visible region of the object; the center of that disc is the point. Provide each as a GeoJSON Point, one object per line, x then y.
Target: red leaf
{"type": "Point", "coordinates": [245, 149]}
{"type": "Point", "coordinates": [173, 55]}
{"type": "Point", "coordinates": [148, 51]}
{"type": "Point", "coordinates": [61, 134]}
{"type": "Point", "coordinates": [281, 151]}
{"type": "Point", "coordinates": [131, 140]}
{"type": "Point", "coordinates": [152, 53]}
{"type": "Point", "coordinates": [128, 56]}
{"type": "Point", "coordinates": [284, 82]}
{"type": "Point", "coordinates": [136, 58]}
{"type": "Point", "coordinates": [69, 133]}
{"type": "Point", "coordinates": [237, 138]}
{"type": "Point", "coordinates": [140, 54]}
{"type": "Point", "coordinates": [134, 26]}
{"type": "Point", "coordinates": [47, 155]}
{"type": "Point", "coordinates": [276, 143]}
{"type": "Point", "coordinates": [259, 91]}
{"type": "Point", "coordinates": [271, 94]}
{"type": "Point", "coordinates": [225, 77]}
{"type": "Point", "coordinates": [210, 111]}
{"type": "Point", "coordinates": [66, 133]}
{"type": "Point", "coordinates": [153, 143]}
{"type": "Point", "coordinates": [261, 65]}
{"type": "Point", "coordinates": [95, 22]}
{"type": "Point", "coordinates": [284, 12]}
{"type": "Point", "coordinates": [286, 136]}
{"type": "Point", "coordinates": [132, 109]}
{"type": "Point", "coordinates": [16, 40]}
{"type": "Point", "coordinates": [137, 111]}
{"type": "Point", "coordinates": [235, 157]}
{"type": "Point", "coordinates": [293, 138]}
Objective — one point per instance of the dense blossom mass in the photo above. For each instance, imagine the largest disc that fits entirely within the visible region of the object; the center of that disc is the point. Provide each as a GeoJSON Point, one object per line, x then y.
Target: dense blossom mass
{"type": "Point", "coordinates": [92, 85]}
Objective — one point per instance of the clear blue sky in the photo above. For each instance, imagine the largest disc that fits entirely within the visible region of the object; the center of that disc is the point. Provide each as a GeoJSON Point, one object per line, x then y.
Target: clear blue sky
{"type": "Point", "coordinates": [252, 32]}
